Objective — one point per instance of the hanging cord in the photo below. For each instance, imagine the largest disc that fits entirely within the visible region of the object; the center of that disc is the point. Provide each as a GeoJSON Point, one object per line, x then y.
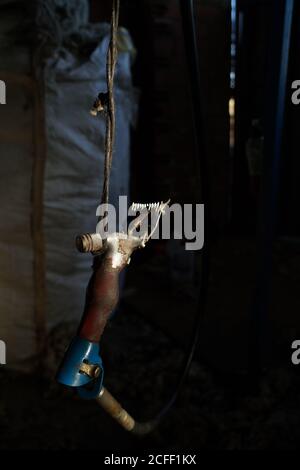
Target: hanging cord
{"type": "Point", "coordinates": [110, 102]}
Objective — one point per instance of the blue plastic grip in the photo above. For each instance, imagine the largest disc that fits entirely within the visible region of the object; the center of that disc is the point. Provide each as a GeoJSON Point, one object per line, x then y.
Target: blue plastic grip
{"type": "Point", "coordinates": [80, 351]}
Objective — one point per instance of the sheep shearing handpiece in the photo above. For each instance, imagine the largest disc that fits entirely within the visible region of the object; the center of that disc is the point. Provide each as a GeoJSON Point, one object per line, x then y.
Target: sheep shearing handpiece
{"type": "Point", "coordinates": [82, 365]}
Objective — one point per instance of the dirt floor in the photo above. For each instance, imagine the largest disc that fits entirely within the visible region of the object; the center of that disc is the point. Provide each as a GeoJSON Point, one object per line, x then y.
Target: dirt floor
{"type": "Point", "coordinates": [217, 409]}
{"type": "Point", "coordinates": [211, 413]}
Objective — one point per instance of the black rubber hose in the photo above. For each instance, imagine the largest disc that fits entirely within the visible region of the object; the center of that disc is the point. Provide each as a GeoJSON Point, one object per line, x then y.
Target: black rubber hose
{"type": "Point", "coordinates": [190, 38]}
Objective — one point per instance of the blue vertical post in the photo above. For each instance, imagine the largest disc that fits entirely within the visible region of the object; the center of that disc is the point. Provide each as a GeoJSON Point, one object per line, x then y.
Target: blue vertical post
{"type": "Point", "coordinates": [274, 126]}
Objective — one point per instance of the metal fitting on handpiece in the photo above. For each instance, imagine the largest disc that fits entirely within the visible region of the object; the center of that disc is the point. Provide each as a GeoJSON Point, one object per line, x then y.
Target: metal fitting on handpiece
{"type": "Point", "coordinates": [89, 243]}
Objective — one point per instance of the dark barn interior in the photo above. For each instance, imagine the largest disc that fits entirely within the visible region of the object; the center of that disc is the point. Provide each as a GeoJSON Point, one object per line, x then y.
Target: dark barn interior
{"type": "Point", "coordinates": [204, 115]}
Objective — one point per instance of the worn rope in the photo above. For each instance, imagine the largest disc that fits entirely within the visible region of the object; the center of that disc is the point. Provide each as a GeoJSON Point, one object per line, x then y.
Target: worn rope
{"type": "Point", "coordinates": [110, 116]}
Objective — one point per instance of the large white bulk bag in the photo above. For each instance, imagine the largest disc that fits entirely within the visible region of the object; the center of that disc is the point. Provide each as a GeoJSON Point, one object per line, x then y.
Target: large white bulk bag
{"type": "Point", "coordinates": [72, 183]}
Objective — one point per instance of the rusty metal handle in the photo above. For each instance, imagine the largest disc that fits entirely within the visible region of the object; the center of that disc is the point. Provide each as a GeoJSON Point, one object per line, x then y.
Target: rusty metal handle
{"type": "Point", "coordinates": [101, 299]}
{"type": "Point", "coordinates": [103, 289]}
